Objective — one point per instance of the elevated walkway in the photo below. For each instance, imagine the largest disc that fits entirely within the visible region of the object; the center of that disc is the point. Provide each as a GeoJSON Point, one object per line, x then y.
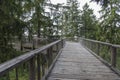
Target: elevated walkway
{"type": "Point", "coordinates": [76, 63]}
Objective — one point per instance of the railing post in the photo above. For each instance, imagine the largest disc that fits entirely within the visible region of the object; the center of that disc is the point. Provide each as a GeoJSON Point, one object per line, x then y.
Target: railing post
{"type": "Point", "coordinates": [16, 71]}
{"type": "Point", "coordinates": [62, 43]}
{"type": "Point", "coordinates": [98, 48]}
{"type": "Point", "coordinates": [33, 44]}
{"type": "Point", "coordinates": [84, 42]}
{"type": "Point", "coordinates": [38, 68]}
{"type": "Point", "coordinates": [32, 69]}
{"type": "Point", "coordinates": [49, 57]}
{"type": "Point", "coordinates": [113, 56]}
{"type": "Point", "coordinates": [57, 47]}
{"type": "Point", "coordinates": [43, 64]}
{"type": "Point", "coordinates": [91, 46]}
{"type": "Point", "coordinates": [21, 45]}
{"type": "Point", "coordinates": [51, 52]}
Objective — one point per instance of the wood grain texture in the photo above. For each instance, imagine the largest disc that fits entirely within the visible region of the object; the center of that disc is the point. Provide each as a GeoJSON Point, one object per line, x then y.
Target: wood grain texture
{"type": "Point", "coordinates": [76, 63]}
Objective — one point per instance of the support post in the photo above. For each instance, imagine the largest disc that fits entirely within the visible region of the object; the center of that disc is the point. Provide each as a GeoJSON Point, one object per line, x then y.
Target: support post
{"type": "Point", "coordinates": [51, 53]}
{"type": "Point", "coordinates": [38, 68]}
{"type": "Point", "coordinates": [113, 57]}
{"type": "Point", "coordinates": [57, 47]}
{"type": "Point", "coordinates": [32, 69]}
{"type": "Point", "coordinates": [98, 48]}
{"type": "Point", "coordinates": [49, 57]}
{"type": "Point", "coordinates": [16, 70]}
{"type": "Point", "coordinates": [33, 44]}
{"type": "Point", "coordinates": [62, 43]}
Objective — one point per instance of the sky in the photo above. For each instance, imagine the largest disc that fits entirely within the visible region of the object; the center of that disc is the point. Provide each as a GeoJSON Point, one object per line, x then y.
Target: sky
{"type": "Point", "coordinates": [92, 5]}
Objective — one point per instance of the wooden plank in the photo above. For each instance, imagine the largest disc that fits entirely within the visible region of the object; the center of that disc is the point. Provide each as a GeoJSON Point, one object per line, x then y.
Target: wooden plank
{"type": "Point", "coordinates": [76, 63]}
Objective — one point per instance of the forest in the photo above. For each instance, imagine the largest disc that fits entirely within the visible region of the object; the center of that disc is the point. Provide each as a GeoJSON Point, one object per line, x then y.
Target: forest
{"type": "Point", "coordinates": [23, 20]}
{"type": "Point", "coordinates": [26, 25]}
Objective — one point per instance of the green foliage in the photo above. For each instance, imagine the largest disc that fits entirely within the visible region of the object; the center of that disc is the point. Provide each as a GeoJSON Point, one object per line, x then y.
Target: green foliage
{"type": "Point", "coordinates": [6, 53]}
{"type": "Point", "coordinates": [102, 2]}
{"type": "Point", "coordinates": [10, 25]}
{"type": "Point", "coordinates": [71, 17]}
{"type": "Point", "coordinates": [20, 17]}
{"type": "Point", "coordinates": [89, 23]}
{"type": "Point", "coordinates": [107, 27]}
{"type": "Point", "coordinates": [110, 22]}
{"type": "Point", "coordinates": [29, 16]}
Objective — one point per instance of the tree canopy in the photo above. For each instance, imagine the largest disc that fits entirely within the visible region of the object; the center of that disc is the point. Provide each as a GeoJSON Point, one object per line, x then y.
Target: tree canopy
{"type": "Point", "coordinates": [31, 17]}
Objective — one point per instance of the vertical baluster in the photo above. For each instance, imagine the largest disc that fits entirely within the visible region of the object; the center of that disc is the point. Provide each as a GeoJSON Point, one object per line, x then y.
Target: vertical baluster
{"type": "Point", "coordinates": [62, 43]}
{"type": "Point", "coordinates": [87, 44]}
{"type": "Point", "coordinates": [16, 71]}
{"type": "Point", "coordinates": [91, 45]}
{"type": "Point", "coordinates": [33, 44]}
{"type": "Point", "coordinates": [113, 56]}
{"type": "Point", "coordinates": [51, 53]}
{"type": "Point", "coordinates": [7, 76]}
{"type": "Point", "coordinates": [38, 67]}
{"type": "Point", "coordinates": [43, 63]}
{"type": "Point", "coordinates": [49, 56]}
{"type": "Point", "coordinates": [32, 69]}
{"type": "Point", "coordinates": [84, 43]}
{"type": "Point", "coordinates": [21, 45]}
{"type": "Point", "coordinates": [98, 48]}
{"type": "Point", "coordinates": [57, 47]}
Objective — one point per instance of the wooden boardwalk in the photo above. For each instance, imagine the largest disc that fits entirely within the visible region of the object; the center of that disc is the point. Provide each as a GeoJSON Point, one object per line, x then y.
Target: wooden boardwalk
{"type": "Point", "coordinates": [76, 63]}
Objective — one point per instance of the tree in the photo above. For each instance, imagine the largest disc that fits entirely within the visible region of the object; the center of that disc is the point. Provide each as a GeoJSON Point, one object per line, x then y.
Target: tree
{"type": "Point", "coordinates": [89, 23]}
{"type": "Point", "coordinates": [110, 21]}
{"type": "Point", "coordinates": [102, 2]}
{"type": "Point", "coordinates": [72, 19]}
{"type": "Point", "coordinates": [14, 21]}
{"type": "Point", "coordinates": [10, 26]}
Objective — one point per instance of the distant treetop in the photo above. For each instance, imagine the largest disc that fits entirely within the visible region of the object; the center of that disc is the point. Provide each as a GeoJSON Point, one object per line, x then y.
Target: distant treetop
{"type": "Point", "coordinates": [102, 2]}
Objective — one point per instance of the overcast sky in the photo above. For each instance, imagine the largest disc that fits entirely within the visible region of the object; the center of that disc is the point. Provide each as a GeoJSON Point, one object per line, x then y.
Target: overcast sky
{"type": "Point", "coordinates": [92, 5]}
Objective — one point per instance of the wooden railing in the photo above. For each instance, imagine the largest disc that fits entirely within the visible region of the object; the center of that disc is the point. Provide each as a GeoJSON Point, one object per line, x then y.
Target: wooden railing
{"type": "Point", "coordinates": [108, 53]}
{"type": "Point", "coordinates": [71, 39]}
{"type": "Point", "coordinates": [34, 65]}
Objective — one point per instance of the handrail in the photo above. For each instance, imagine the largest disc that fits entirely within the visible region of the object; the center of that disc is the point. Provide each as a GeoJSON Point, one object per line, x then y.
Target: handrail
{"type": "Point", "coordinates": [75, 39]}
{"type": "Point", "coordinates": [104, 43]}
{"type": "Point", "coordinates": [9, 65]}
{"type": "Point", "coordinates": [95, 46]}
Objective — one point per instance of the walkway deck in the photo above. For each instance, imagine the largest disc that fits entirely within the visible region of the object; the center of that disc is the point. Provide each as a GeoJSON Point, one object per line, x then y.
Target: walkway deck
{"type": "Point", "coordinates": [76, 63]}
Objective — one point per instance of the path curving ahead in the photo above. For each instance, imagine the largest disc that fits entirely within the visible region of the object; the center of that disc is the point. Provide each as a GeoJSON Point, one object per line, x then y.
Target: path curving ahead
{"type": "Point", "coordinates": [76, 63]}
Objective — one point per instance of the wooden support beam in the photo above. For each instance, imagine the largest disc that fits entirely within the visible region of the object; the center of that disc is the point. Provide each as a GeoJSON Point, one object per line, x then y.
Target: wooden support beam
{"type": "Point", "coordinates": [113, 56]}
{"type": "Point", "coordinates": [32, 69]}
{"type": "Point", "coordinates": [38, 68]}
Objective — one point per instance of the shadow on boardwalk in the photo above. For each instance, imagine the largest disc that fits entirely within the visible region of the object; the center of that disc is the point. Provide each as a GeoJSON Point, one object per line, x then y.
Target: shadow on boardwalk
{"type": "Point", "coordinates": [76, 63]}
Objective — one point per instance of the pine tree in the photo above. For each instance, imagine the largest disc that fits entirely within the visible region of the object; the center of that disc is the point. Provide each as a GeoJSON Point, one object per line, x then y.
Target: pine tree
{"type": "Point", "coordinates": [72, 19]}
{"type": "Point", "coordinates": [110, 21]}
{"type": "Point", "coordinates": [89, 22]}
